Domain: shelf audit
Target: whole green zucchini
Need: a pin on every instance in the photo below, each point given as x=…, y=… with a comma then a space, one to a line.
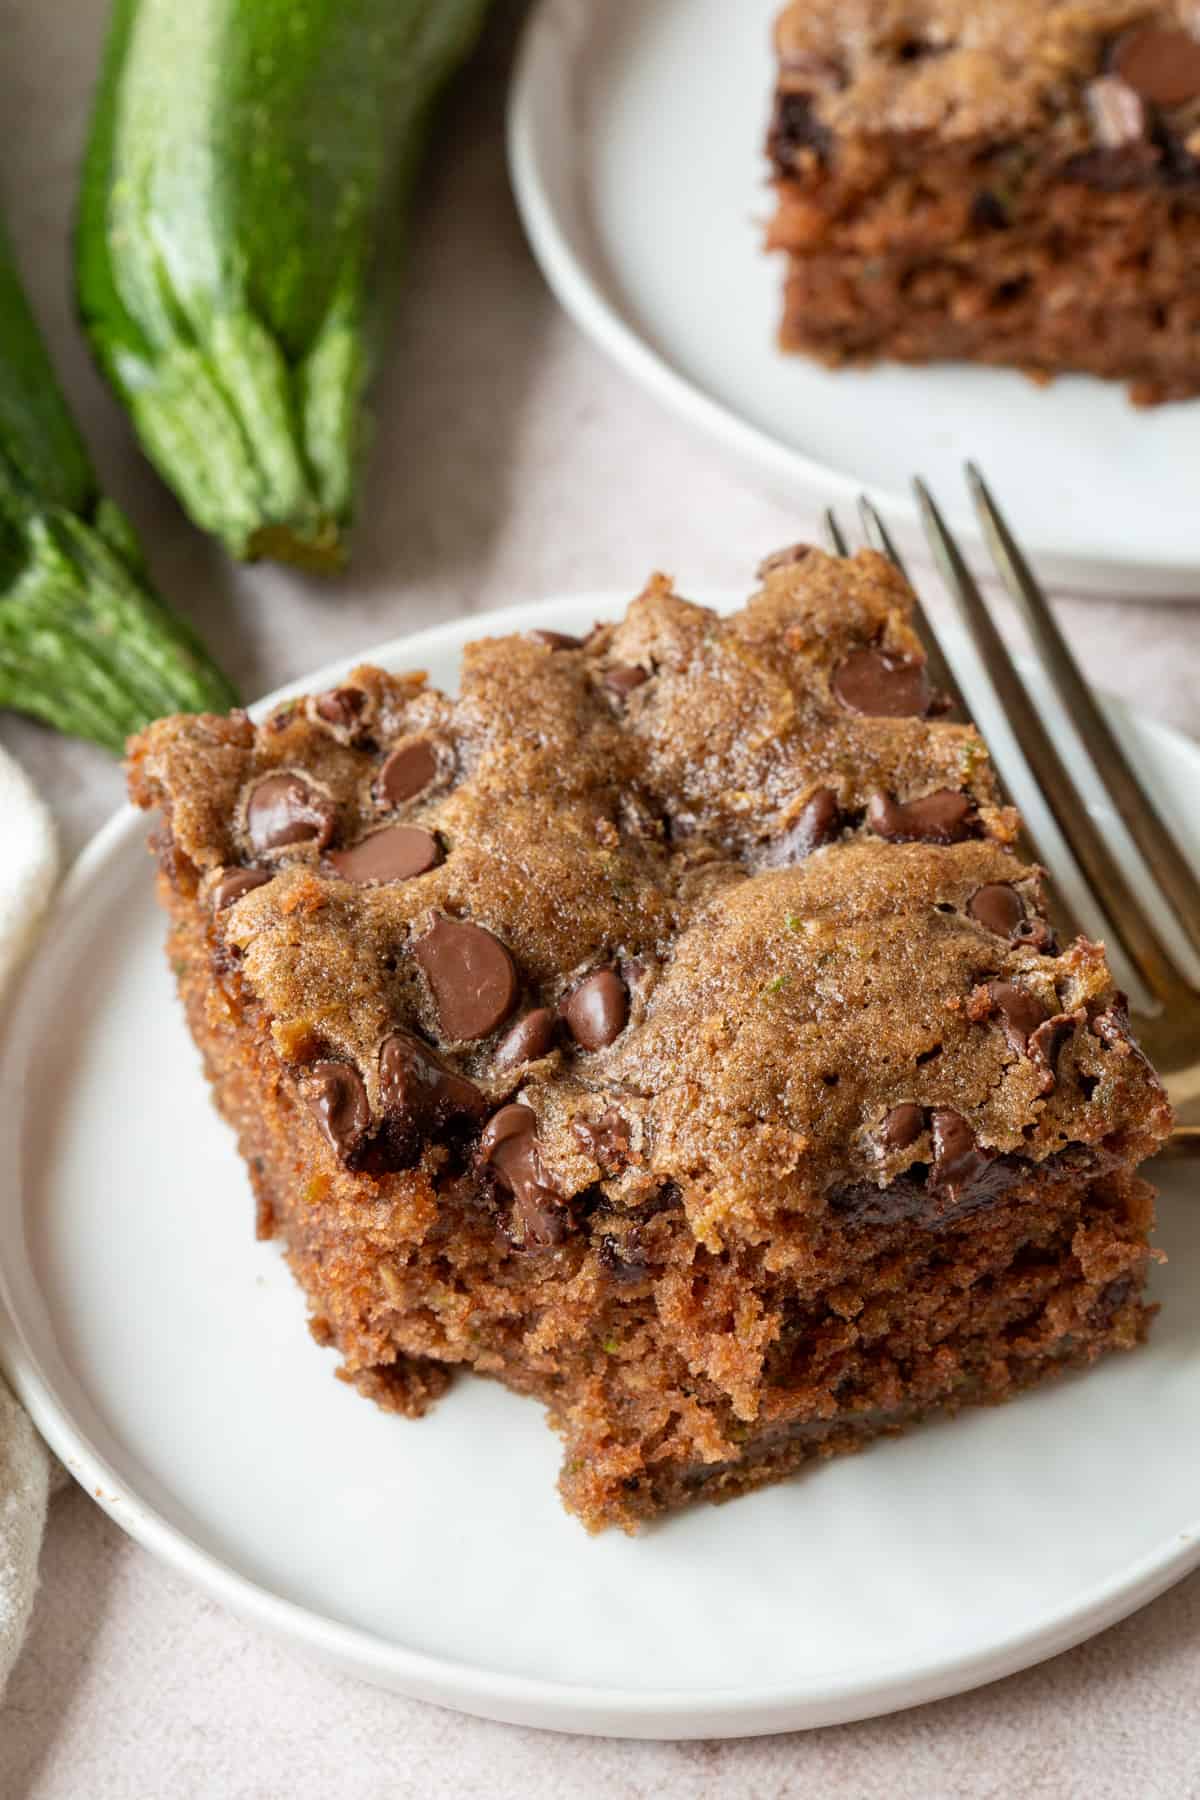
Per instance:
x=85, y=644
x=248, y=169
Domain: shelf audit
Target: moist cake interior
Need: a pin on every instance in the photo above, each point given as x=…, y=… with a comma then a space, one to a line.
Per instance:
x=668, y=1028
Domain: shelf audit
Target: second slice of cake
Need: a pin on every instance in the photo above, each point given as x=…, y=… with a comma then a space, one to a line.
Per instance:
x=1013, y=182
x=667, y=1028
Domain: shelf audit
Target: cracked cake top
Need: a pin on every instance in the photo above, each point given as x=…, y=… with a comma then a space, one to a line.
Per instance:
x=721, y=906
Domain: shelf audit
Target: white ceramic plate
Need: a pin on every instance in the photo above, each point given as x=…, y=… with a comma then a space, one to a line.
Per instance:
x=636, y=135
x=164, y=1355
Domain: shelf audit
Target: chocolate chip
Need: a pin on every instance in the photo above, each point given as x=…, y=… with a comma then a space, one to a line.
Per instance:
x=407, y=771
x=996, y=906
x=901, y=1127
x=1020, y=1011
x=795, y=128
x=943, y=817
x=597, y=1009
x=1117, y=114
x=1160, y=63
x=510, y=1147
x=234, y=883
x=914, y=49
x=881, y=685
x=283, y=809
x=421, y=1095
x=1112, y=1027
x=1046, y=1042
x=623, y=1258
x=471, y=974
x=786, y=558
x=341, y=707
x=819, y=823
x=530, y=1038
x=988, y=212
x=396, y=853
x=958, y=1161
x=554, y=640
x=335, y=1092
x=623, y=678
x=605, y=1139
x=1034, y=934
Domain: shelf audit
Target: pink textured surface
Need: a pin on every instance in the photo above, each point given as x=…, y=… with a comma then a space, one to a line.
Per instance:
x=537, y=469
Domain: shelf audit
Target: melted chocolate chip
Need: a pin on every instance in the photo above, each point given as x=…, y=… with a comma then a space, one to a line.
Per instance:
x=407, y=772
x=622, y=678
x=554, y=640
x=997, y=907
x=283, y=810
x=818, y=824
x=943, y=817
x=509, y=1146
x=471, y=974
x=911, y=1196
x=234, y=883
x=901, y=1127
x=597, y=1009
x=1020, y=1011
x=958, y=1162
x=1034, y=934
x=530, y=1038
x=1160, y=63
x=421, y=1095
x=395, y=853
x=335, y=1092
x=880, y=685
x=605, y=1139
x=786, y=558
x=341, y=707
x=1046, y=1042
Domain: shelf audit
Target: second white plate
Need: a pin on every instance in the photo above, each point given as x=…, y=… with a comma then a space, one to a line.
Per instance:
x=163, y=1354
x=636, y=136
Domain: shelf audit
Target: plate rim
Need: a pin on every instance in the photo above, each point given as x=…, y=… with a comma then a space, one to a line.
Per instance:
x=473, y=1688
x=539, y=58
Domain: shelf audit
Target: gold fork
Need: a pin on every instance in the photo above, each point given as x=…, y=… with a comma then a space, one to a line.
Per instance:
x=1170, y=1033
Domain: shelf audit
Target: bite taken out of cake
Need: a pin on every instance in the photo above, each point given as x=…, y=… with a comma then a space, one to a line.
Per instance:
x=666, y=1027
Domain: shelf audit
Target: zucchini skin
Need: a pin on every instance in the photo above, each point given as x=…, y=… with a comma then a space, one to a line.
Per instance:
x=85, y=643
x=248, y=169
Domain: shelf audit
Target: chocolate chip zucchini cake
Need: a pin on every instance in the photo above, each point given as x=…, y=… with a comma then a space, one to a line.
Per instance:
x=1014, y=182
x=668, y=1028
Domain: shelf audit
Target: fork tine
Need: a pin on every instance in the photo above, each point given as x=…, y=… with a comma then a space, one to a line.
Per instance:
x=1126, y=793
x=878, y=535
x=942, y=675
x=834, y=535
x=1116, y=897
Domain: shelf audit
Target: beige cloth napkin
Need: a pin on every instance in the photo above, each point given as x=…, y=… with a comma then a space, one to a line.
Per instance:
x=27, y=873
